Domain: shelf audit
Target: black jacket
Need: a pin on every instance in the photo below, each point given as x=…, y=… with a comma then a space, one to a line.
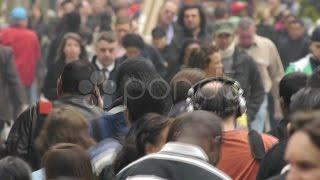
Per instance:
x=245, y=71
x=12, y=97
x=50, y=82
x=26, y=128
x=107, y=89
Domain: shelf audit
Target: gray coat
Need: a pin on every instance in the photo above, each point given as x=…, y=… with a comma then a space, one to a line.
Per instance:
x=12, y=95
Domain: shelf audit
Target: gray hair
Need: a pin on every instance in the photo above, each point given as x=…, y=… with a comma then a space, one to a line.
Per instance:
x=245, y=23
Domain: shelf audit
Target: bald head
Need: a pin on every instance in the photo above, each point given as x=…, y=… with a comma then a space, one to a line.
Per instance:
x=219, y=98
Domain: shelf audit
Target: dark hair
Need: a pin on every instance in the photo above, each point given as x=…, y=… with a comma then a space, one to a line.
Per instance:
x=63, y=3
x=71, y=22
x=306, y=99
x=218, y=97
x=198, y=124
x=148, y=129
x=188, y=7
x=309, y=123
x=14, y=168
x=297, y=21
x=314, y=79
x=68, y=160
x=142, y=88
x=185, y=45
x=76, y=78
x=64, y=125
x=195, y=127
x=108, y=36
x=133, y=40
x=183, y=81
x=74, y=36
x=158, y=32
x=290, y=84
x=200, y=58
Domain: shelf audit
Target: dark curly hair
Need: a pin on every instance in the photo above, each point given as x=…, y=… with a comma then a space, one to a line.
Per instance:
x=200, y=58
x=188, y=7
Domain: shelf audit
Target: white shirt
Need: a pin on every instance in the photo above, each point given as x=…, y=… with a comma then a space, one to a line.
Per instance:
x=109, y=68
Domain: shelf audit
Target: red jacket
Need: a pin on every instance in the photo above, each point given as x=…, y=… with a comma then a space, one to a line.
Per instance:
x=26, y=49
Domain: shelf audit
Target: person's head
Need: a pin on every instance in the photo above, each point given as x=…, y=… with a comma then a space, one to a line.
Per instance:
x=19, y=17
x=314, y=79
x=224, y=34
x=159, y=39
x=67, y=160
x=208, y=59
x=77, y=79
x=306, y=99
x=200, y=128
x=221, y=12
x=296, y=29
x=183, y=81
x=99, y=5
x=105, y=48
x=246, y=32
x=123, y=26
x=64, y=125
x=288, y=86
x=134, y=44
x=188, y=46
x=14, y=168
x=151, y=132
x=303, y=150
x=142, y=89
x=191, y=18
x=315, y=43
x=220, y=95
x=71, y=48
x=71, y=22
x=67, y=6
x=168, y=12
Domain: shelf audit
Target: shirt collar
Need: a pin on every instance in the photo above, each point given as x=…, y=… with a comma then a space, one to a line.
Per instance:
x=100, y=66
x=185, y=149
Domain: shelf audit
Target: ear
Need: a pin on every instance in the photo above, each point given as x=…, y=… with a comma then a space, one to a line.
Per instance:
x=59, y=87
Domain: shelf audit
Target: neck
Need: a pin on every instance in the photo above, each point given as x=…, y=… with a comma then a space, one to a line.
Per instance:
x=228, y=52
x=228, y=124
x=196, y=32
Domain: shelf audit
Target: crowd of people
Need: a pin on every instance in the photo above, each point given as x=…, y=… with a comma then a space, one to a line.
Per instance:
x=224, y=90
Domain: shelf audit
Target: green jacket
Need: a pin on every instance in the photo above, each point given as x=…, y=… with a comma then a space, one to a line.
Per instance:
x=302, y=65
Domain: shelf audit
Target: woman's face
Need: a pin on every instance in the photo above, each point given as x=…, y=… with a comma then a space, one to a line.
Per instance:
x=188, y=51
x=71, y=50
x=304, y=158
x=215, y=66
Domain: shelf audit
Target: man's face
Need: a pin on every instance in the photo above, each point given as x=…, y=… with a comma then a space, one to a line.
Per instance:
x=168, y=12
x=106, y=52
x=304, y=158
x=223, y=40
x=159, y=43
x=296, y=31
x=315, y=49
x=67, y=8
x=132, y=52
x=246, y=37
x=122, y=30
x=191, y=19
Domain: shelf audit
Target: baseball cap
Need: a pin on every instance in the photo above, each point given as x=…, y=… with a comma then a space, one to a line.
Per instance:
x=224, y=26
x=19, y=13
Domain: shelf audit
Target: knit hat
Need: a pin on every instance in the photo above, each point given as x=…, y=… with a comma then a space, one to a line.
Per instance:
x=19, y=13
x=316, y=34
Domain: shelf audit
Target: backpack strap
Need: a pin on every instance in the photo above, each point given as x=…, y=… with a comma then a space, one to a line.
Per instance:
x=256, y=145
